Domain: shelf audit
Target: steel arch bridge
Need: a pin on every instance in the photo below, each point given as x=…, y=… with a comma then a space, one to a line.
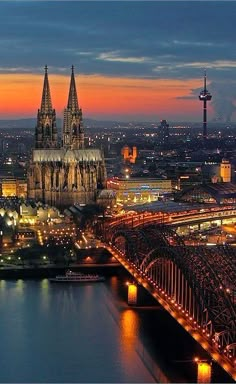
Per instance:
x=197, y=285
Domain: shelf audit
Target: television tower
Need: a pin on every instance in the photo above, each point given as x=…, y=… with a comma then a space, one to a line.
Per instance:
x=205, y=96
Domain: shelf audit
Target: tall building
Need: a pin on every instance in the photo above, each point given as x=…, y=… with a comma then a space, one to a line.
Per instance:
x=205, y=96
x=225, y=171
x=67, y=173
x=125, y=152
x=163, y=133
x=129, y=155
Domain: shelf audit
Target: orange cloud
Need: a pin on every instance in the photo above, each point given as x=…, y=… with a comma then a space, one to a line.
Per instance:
x=20, y=95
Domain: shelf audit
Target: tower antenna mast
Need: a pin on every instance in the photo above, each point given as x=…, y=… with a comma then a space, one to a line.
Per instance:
x=205, y=96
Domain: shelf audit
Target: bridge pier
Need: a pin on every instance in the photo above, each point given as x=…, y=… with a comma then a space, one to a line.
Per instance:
x=132, y=294
x=203, y=371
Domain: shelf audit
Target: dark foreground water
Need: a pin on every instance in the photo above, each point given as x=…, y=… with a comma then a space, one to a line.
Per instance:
x=87, y=333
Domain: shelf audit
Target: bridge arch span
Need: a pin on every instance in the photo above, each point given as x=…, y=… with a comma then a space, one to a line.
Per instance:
x=197, y=282
x=129, y=241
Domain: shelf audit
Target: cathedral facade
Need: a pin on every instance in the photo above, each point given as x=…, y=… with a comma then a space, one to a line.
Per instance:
x=63, y=173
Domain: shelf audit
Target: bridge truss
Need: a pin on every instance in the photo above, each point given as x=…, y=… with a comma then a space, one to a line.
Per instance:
x=197, y=283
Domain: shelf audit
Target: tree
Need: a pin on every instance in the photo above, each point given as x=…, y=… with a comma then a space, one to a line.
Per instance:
x=89, y=215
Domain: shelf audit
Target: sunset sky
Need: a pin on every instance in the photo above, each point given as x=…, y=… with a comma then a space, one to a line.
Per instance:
x=133, y=60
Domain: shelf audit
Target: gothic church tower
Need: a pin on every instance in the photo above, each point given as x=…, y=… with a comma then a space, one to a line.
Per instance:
x=64, y=175
x=46, y=131
x=73, y=132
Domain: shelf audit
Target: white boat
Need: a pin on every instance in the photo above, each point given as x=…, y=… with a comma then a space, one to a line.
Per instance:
x=74, y=277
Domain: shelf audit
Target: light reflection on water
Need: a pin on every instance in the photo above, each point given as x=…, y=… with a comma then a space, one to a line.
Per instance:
x=129, y=325
x=45, y=294
x=19, y=286
x=2, y=285
x=128, y=331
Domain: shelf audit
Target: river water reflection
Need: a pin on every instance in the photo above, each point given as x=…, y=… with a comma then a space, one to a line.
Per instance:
x=81, y=333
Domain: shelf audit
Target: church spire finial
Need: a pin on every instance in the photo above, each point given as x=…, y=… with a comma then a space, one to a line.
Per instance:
x=72, y=99
x=46, y=130
x=73, y=131
x=46, y=104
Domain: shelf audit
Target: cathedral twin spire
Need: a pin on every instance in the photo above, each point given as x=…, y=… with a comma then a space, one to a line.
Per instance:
x=72, y=99
x=46, y=103
x=73, y=133
x=46, y=131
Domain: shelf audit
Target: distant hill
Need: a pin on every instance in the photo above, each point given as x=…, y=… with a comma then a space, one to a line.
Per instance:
x=30, y=123
x=18, y=123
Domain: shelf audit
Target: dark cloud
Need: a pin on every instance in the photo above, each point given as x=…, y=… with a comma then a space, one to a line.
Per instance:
x=143, y=39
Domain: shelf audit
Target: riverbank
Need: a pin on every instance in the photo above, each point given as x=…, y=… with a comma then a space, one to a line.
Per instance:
x=38, y=272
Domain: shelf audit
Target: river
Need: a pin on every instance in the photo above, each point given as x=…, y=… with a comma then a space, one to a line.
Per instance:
x=87, y=333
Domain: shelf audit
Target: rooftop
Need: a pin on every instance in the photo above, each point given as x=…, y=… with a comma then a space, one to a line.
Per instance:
x=168, y=207
x=217, y=191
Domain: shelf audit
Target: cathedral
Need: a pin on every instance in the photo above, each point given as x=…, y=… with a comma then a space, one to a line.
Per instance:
x=62, y=173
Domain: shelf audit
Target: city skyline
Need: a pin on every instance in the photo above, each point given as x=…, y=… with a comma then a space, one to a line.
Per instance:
x=133, y=60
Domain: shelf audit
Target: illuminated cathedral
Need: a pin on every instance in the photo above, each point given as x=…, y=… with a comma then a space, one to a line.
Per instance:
x=63, y=173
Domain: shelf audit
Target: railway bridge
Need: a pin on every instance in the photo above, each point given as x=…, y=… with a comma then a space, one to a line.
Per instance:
x=196, y=285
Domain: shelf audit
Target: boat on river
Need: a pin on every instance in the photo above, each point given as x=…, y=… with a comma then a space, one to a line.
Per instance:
x=77, y=277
